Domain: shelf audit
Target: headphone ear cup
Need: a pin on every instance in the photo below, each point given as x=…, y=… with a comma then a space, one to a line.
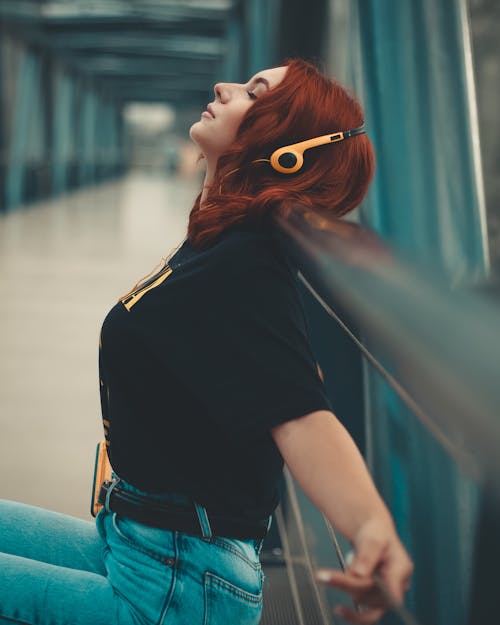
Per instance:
x=286, y=160
x=289, y=159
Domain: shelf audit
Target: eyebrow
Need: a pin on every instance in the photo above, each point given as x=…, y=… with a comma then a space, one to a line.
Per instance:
x=260, y=79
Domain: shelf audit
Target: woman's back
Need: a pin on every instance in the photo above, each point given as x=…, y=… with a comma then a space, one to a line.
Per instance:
x=195, y=374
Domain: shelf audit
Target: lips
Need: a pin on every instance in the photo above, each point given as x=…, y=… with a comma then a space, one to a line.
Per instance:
x=210, y=110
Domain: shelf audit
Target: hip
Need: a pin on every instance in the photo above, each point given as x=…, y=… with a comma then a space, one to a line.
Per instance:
x=173, y=577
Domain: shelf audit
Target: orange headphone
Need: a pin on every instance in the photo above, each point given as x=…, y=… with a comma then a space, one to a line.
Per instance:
x=289, y=159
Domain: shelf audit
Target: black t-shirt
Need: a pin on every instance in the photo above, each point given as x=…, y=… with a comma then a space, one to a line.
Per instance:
x=200, y=368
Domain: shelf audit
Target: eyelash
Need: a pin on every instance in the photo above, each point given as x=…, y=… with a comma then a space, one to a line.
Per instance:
x=251, y=95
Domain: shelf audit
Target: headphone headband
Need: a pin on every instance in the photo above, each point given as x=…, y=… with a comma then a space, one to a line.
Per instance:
x=289, y=159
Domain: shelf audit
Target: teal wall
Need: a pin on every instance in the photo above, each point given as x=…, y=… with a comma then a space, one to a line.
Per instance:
x=410, y=65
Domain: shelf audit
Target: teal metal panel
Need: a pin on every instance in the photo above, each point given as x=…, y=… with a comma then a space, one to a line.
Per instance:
x=433, y=503
x=233, y=66
x=63, y=130
x=3, y=120
x=101, y=135
x=414, y=73
x=87, y=136
x=410, y=65
x=261, y=22
x=106, y=140
x=24, y=114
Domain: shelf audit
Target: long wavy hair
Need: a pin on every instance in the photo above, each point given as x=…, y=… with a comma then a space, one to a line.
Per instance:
x=334, y=177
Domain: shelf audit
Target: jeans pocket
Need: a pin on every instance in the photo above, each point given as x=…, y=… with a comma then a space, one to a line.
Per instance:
x=227, y=603
x=244, y=549
x=153, y=542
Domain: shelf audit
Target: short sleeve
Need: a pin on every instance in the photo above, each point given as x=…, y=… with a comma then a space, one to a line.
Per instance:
x=253, y=366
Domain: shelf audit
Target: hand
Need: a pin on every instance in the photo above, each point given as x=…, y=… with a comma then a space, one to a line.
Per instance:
x=378, y=553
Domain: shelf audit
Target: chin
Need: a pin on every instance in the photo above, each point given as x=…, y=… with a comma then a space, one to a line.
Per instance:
x=192, y=130
x=196, y=134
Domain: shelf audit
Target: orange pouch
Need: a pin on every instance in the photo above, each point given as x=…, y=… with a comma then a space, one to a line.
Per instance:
x=102, y=473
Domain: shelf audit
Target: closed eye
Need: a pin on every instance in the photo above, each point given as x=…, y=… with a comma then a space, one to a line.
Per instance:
x=251, y=95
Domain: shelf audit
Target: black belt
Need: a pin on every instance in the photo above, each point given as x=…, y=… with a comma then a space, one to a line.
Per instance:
x=175, y=517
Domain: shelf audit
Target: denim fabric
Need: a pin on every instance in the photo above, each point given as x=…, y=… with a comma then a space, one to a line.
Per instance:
x=60, y=570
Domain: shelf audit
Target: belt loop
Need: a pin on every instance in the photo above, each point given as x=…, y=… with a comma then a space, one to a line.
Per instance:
x=259, y=543
x=108, y=494
x=269, y=522
x=206, y=530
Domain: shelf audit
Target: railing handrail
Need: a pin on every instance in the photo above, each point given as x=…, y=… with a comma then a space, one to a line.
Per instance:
x=444, y=342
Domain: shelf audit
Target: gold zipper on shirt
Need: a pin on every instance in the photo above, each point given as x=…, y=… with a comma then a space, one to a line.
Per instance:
x=144, y=285
x=134, y=296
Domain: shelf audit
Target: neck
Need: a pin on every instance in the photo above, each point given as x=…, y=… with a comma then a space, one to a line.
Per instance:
x=207, y=183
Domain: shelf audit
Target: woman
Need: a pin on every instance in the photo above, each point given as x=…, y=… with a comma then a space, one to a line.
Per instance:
x=208, y=383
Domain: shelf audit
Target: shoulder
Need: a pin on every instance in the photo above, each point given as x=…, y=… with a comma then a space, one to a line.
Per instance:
x=257, y=280
x=255, y=251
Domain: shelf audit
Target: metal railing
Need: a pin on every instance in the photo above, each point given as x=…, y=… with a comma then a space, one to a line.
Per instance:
x=443, y=343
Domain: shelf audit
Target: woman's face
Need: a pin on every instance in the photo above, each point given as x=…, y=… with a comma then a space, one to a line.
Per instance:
x=216, y=130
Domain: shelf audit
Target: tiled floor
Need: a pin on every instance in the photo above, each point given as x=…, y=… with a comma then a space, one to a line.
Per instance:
x=63, y=264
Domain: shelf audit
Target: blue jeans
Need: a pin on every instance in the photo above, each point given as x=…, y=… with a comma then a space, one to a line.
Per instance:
x=59, y=570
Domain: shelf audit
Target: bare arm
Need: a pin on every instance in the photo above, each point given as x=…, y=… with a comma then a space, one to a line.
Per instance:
x=329, y=468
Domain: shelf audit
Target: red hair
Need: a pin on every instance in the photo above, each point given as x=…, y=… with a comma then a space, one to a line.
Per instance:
x=334, y=177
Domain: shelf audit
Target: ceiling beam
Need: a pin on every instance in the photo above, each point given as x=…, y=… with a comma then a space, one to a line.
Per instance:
x=194, y=26
x=182, y=82
x=140, y=50
x=169, y=97
x=170, y=10
x=91, y=11
x=175, y=66
x=192, y=46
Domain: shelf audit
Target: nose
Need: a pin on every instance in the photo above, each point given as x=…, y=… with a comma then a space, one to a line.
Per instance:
x=220, y=91
x=225, y=91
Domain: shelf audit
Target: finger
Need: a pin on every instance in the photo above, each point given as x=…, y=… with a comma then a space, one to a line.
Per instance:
x=372, y=597
x=364, y=617
x=373, y=591
x=367, y=556
x=362, y=590
x=350, y=583
x=396, y=579
x=346, y=581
